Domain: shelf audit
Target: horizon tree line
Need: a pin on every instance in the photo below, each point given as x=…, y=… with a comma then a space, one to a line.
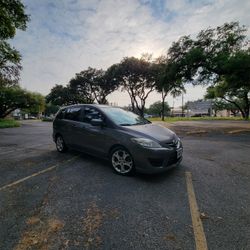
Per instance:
x=218, y=58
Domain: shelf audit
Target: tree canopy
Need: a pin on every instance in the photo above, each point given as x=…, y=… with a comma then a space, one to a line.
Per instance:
x=16, y=97
x=156, y=108
x=138, y=78
x=38, y=104
x=168, y=81
x=60, y=95
x=218, y=57
x=93, y=85
x=12, y=17
x=88, y=86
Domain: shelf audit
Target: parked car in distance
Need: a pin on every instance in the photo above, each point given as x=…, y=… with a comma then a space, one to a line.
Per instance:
x=130, y=142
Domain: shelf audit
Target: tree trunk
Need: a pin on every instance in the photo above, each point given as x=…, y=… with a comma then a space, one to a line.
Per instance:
x=163, y=96
x=162, y=109
x=141, y=111
x=5, y=113
x=247, y=105
x=244, y=113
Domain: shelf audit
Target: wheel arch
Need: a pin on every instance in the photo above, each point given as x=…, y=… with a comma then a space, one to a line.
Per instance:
x=116, y=146
x=57, y=134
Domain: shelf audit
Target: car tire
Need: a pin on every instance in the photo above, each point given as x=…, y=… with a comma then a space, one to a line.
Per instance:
x=60, y=144
x=122, y=161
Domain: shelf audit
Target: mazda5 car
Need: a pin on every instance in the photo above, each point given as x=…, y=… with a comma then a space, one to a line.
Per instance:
x=130, y=142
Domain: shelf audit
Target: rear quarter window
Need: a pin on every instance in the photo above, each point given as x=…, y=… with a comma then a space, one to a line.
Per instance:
x=73, y=114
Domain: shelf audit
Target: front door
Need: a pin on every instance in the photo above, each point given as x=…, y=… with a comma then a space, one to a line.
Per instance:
x=94, y=139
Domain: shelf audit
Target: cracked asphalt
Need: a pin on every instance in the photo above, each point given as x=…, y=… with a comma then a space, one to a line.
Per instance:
x=82, y=204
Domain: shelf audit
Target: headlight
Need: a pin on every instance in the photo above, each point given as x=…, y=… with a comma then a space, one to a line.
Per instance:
x=178, y=143
x=146, y=143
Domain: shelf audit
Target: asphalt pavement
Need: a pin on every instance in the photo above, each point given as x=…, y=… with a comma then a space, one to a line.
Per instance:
x=50, y=200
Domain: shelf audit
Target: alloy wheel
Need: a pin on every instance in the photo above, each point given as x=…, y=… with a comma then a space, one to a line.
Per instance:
x=122, y=161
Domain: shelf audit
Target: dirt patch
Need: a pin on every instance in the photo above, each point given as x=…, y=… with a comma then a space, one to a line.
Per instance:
x=33, y=220
x=39, y=233
x=91, y=224
x=200, y=128
x=170, y=237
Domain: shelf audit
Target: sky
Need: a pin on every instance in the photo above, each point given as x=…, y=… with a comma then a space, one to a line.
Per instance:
x=65, y=37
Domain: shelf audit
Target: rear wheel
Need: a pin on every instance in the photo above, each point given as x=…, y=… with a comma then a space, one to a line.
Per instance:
x=122, y=161
x=60, y=144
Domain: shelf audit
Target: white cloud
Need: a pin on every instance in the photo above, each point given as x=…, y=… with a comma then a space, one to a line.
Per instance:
x=65, y=37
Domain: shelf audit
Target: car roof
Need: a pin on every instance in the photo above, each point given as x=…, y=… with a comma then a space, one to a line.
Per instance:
x=91, y=105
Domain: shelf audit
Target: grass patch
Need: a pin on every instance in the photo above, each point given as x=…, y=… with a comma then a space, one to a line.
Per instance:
x=9, y=123
x=206, y=118
x=47, y=119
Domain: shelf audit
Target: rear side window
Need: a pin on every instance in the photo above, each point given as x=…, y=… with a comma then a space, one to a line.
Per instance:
x=91, y=113
x=73, y=114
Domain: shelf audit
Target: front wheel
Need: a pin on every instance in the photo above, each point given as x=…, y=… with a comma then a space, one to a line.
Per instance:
x=60, y=144
x=122, y=161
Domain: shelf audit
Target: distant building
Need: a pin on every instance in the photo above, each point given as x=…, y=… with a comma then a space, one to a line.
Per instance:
x=199, y=108
x=223, y=113
x=178, y=112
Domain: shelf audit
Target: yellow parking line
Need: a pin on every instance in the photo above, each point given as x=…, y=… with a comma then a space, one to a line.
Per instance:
x=200, y=238
x=36, y=174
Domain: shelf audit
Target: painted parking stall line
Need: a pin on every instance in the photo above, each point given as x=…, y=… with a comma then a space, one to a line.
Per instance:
x=38, y=173
x=200, y=238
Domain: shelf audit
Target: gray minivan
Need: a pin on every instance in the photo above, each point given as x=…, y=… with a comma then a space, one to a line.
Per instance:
x=130, y=142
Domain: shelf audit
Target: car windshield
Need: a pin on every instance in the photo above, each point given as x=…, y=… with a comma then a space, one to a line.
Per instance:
x=123, y=117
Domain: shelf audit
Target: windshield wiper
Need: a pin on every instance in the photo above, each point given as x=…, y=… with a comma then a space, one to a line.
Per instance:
x=125, y=124
x=140, y=123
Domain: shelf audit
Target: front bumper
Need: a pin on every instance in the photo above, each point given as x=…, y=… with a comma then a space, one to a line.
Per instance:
x=156, y=160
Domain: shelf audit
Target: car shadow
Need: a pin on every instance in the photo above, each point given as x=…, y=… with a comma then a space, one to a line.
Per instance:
x=150, y=178
x=159, y=177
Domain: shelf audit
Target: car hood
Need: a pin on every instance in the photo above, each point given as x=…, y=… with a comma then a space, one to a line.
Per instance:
x=152, y=131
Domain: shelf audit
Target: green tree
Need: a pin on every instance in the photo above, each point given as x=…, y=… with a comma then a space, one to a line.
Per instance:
x=15, y=97
x=219, y=105
x=93, y=85
x=138, y=78
x=156, y=108
x=60, y=96
x=236, y=96
x=50, y=109
x=215, y=58
x=12, y=17
x=38, y=106
x=168, y=80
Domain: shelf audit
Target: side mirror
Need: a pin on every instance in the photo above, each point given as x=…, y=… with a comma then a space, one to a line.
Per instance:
x=96, y=122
